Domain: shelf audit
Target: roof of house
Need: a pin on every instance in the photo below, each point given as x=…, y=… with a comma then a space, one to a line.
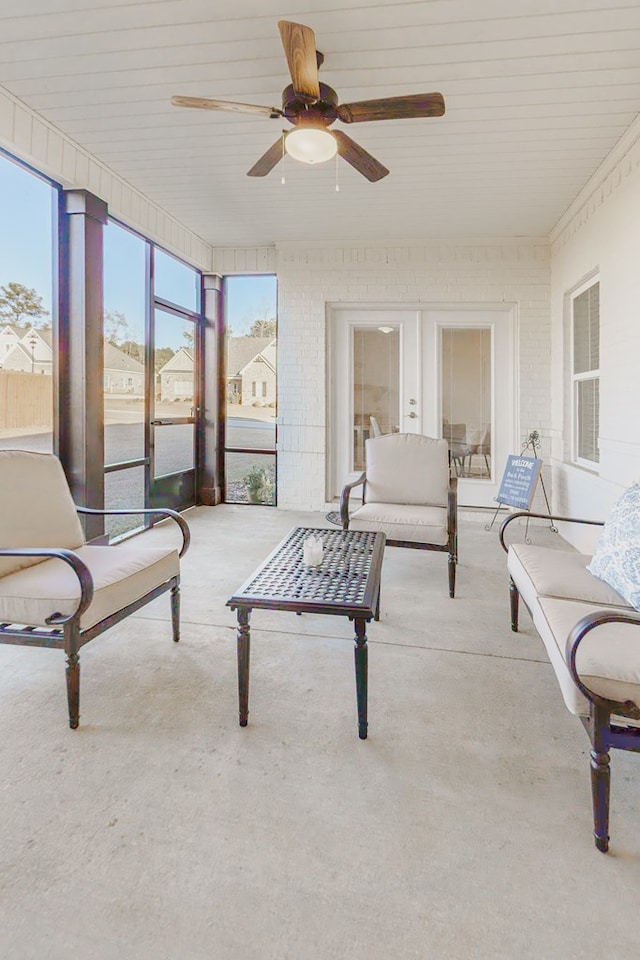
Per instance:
x=116, y=359
x=44, y=333
x=242, y=350
x=181, y=360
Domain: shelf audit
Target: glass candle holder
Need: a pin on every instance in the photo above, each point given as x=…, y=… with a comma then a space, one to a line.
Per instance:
x=312, y=551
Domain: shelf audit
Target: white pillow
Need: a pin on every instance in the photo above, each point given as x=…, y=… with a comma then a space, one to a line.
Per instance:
x=616, y=559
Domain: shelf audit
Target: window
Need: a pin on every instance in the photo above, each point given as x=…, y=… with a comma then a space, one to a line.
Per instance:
x=249, y=465
x=27, y=308
x=585, y=330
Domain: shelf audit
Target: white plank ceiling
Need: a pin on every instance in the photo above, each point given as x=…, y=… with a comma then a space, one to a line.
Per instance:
x=537, y=94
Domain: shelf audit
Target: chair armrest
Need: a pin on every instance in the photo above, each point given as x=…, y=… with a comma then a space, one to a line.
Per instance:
x=584, y=626
x=159, y=512
x=344, y=499
x=541, y=516
x=78, y=566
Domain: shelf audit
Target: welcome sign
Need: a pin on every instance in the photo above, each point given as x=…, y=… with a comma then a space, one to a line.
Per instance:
x=519, y=481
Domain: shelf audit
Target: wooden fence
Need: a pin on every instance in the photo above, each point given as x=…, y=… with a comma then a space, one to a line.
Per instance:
x=26, y=400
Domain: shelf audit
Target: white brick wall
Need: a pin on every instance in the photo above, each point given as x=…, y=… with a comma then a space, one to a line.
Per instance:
x=600, y=233
x=310, y=276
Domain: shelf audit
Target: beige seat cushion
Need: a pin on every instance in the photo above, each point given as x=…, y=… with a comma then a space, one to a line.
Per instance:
x=403, y=522
x=407, y=468
x=38, y=510
x=608, y=659
x=539, y=571
x=120, y=574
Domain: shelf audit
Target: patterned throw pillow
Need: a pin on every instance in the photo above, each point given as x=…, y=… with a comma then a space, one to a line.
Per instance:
x=616, y=559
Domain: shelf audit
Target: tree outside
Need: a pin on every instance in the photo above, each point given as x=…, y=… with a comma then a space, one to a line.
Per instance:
x=262, y=328
x=21, y=305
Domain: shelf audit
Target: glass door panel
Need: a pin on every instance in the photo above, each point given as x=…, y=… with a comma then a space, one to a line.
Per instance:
x=124, y=374
x=376, y=385
x=174, y=448
x=27, y=362
x=251, y=373
x=174, y=393
x=466, y=377
x=124, y=490
x=468, y=393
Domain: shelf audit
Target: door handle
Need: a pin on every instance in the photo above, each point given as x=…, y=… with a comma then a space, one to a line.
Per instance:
x=412, y=415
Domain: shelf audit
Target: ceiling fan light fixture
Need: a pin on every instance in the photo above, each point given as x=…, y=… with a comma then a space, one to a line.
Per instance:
x=311, y=144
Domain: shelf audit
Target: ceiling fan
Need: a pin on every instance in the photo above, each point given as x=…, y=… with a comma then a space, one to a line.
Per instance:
x=312, y=107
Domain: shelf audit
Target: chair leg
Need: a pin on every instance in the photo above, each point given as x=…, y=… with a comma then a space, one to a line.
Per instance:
x=452, y=575
x=514, y=598
x=175, y=612
x=71, y=647
x=73, y=689
x=600, y=777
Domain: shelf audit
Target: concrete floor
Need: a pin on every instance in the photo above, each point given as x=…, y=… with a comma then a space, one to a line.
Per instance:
x=461, y=829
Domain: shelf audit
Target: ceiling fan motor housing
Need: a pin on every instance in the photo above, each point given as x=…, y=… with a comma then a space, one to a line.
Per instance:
x=299, y=111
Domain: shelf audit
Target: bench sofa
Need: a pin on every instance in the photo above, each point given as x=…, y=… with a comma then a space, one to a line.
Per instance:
x=591, y=634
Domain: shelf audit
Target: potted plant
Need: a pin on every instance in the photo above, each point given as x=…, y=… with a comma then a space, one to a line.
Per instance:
x=259, y=486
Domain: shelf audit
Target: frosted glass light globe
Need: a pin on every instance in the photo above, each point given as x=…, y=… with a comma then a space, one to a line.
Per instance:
x=310, y=145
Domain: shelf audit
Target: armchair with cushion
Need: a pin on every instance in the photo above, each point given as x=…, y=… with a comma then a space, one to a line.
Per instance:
x=408, y=494
x=58, y=591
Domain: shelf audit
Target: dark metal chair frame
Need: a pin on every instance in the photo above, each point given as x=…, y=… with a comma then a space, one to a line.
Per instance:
x=450, y=547
x=603, y=734
x=64, y=632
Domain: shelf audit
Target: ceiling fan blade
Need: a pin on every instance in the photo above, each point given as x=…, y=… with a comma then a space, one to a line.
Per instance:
x=393, y=108
x=203, y=103
x=268, y=160
x=358, y=157
x=299, y=44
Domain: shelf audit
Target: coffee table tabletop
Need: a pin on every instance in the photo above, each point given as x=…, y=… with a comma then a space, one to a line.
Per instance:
x=347, y=584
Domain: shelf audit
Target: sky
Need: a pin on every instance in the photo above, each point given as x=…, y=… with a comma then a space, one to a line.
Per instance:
x=26, y=219
x=25, y=229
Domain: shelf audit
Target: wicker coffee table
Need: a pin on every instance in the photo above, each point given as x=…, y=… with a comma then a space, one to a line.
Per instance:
x=347, y=584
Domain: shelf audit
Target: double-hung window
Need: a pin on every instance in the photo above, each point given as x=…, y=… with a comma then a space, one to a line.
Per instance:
x=585, y=360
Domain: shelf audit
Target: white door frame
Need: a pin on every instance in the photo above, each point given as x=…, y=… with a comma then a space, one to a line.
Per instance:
x=341, y=320
x=501, y=319
x=500, y=315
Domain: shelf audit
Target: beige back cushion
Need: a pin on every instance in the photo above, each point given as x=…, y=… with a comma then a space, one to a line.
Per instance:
x=407, y=468
x=36, y=509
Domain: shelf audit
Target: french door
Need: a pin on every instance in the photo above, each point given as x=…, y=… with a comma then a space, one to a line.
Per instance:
x=442, y=372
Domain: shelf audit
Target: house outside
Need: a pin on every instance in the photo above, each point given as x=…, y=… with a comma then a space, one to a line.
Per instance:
x=175, y=378
x=28, y=351
x=122, y=374
x=251, y=371
x=10, y=335
x=32, y=352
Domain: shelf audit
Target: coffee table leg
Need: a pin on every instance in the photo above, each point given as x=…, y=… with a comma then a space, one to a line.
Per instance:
x=361, y=656
x=244, y=645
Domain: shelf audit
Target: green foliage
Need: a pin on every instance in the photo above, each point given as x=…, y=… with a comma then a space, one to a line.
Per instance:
x=133, y=349
x=259, y=485
x=163, y=355
x=262, y=328
x=19, y=304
